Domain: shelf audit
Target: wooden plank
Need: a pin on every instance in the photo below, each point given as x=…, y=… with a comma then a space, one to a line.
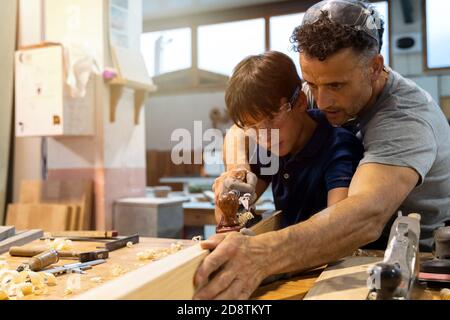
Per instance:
x=344, y=280
x=20, y=239
x=70, y=192
x=270, y=224
x=166, y=279
x=6, y=232
x=75, y=212
x=49, y=217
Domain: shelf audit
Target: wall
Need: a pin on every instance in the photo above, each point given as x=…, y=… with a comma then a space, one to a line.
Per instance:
x=27, y=151
x=8, y=16
x=115, y=157
x=178, y=111
x=411, y=65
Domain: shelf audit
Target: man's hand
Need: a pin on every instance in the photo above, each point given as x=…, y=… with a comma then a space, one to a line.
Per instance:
x=233, y=270
x=228, y=181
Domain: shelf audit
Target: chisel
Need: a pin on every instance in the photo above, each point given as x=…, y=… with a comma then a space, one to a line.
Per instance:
x=81, y=256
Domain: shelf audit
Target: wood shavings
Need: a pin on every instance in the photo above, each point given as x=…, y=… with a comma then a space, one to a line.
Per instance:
x=50, y=279
x=73, y=283
x=3, y=295
x=2, y=258
x=129, y=244
x=244, y=217
x=197, y=238
x=59, y=244
x=155, y=254
x=16, y=285
x=97, y=279
x=68, y=291
x=445, y=294
x=3, y=265
x=117, y=270
x=26, y=288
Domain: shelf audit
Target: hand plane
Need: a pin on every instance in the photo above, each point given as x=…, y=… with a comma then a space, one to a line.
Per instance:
x=234, y=208
x=395, y=277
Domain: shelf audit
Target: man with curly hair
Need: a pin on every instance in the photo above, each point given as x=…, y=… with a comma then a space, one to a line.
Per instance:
x=405, y=167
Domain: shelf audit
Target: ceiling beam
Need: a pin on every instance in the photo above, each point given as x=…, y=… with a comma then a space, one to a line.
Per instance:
x=220, y=16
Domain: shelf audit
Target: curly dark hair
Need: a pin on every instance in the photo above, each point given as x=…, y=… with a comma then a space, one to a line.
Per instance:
x=325, y=37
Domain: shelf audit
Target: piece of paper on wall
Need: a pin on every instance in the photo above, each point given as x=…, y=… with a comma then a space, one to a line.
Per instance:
x=119, y=27
x=80, y=64
x=39, y=80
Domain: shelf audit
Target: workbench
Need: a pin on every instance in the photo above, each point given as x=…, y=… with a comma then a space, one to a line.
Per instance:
x=294, y=288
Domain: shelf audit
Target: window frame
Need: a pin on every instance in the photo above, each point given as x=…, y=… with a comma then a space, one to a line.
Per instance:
x=265, y=11
x=426, y=68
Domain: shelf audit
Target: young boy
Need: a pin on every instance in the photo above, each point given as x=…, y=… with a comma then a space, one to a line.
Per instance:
x=316, y=160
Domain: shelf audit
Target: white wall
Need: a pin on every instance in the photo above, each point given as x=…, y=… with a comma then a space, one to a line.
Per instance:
x=27, y=151
x=7, y=46
x=164, y=114
x=411, y=65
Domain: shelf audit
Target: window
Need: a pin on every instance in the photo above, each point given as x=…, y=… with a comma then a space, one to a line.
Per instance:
x=382, y=8
x=281, y=28
x=437, y=34
x=222, y=46
x=167, y=51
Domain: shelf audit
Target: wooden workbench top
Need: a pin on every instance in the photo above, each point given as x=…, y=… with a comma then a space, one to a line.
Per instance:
x=294, y=288
x=125, y=258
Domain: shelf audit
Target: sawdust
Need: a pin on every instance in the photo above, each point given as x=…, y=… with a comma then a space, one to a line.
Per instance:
x=97, y=279
x=117, y=270
x=156, y=254
x=244, y=217
x=15, y=285
x=59, y=244
x=445, y=294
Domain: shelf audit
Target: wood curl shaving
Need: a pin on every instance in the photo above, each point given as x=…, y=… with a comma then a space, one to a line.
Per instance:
x=156, y=254
x=16, y=285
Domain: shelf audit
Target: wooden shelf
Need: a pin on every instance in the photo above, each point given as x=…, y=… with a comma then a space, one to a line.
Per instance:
x=131, y=74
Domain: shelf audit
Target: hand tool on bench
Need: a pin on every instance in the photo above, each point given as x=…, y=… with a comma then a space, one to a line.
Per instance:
x=395, y=277
x=85, y=234
x=40, y=261
x=120, y=242
x=111, y=244
x=37, y=251
x=74, y=267
x=436, y=272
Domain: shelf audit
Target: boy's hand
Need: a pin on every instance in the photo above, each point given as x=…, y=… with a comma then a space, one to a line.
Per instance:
x=234, y=180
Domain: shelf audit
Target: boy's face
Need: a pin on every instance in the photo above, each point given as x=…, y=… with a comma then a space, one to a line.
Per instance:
x=342, y=84
x=281, y=133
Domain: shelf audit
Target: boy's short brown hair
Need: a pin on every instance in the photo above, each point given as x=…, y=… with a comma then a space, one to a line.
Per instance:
x=258, y=84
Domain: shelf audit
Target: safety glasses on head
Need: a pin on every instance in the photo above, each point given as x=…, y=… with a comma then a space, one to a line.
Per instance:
x=352, y=13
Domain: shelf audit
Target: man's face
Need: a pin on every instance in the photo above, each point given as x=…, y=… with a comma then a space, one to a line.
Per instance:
x=341, y=84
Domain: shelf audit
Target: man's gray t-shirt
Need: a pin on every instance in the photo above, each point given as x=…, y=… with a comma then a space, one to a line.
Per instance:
x=405, y=127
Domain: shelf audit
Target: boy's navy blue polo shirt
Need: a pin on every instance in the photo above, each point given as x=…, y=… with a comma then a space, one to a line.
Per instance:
x=328, y=161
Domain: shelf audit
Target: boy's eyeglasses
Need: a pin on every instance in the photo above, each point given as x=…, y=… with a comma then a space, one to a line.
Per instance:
x=277, y=120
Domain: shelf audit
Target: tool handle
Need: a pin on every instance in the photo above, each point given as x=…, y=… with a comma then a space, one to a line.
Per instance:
x=26, y=252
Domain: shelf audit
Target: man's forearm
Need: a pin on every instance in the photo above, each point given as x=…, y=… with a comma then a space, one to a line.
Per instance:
x=327, y=236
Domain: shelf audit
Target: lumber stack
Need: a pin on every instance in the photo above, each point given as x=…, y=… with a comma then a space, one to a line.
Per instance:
x=52, y=206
